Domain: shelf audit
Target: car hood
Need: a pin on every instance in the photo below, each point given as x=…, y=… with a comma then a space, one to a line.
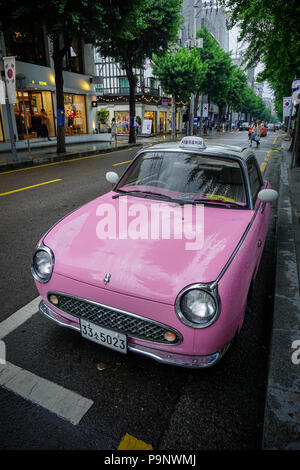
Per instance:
x=157, y=268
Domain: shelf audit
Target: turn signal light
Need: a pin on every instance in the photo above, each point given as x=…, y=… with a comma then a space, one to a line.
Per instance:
x=53, y=299
x=170, y=336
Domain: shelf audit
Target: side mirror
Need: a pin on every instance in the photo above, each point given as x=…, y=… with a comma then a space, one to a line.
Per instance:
x=267, y=195
x=112, y=177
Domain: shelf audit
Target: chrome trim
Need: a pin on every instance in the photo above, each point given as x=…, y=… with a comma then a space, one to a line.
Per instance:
x=215, y=283
x=209, y=289
x=134, y=315
x=164, y=357
x=42, y=247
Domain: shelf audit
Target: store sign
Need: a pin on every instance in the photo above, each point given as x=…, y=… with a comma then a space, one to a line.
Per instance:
x=205, y=110
x=165, y=101
x=10, y=78
x=61, y=117
x=41, y=83
x=147, y=126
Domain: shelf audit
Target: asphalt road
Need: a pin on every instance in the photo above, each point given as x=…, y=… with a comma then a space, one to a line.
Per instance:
x=170, y=408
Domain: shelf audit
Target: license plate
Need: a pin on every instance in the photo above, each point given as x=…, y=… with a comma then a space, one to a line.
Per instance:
x=109, y=338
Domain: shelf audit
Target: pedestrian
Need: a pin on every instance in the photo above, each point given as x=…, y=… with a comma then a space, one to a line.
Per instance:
x=113, y=129
x=136, y=126
x=44, y=124
x=252, y=130
x=258, y=133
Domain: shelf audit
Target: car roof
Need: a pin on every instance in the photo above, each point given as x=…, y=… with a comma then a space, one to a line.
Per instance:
x=242, y=153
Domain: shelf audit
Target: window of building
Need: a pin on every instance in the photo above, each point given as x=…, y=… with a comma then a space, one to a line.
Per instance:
x=73, y=59
x=34, y=102
x=124, y=85
x=75, y=114
x=26, y=47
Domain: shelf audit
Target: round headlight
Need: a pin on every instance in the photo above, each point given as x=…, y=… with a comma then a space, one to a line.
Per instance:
x=197, y=308
x=42, y=264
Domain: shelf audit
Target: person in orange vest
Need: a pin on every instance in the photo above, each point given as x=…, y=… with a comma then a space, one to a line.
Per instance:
x=250, y=134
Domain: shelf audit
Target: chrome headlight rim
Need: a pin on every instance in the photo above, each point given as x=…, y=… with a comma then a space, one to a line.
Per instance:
x=42, y=247
x=212, y=290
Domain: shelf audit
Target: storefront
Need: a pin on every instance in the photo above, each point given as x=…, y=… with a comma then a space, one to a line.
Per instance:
x=75, y=114
x=34, y=101
x=162, y=121
x=151, y=115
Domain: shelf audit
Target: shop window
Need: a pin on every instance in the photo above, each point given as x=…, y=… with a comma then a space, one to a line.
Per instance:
x=151, y=115
x=75, y=114
x=26, y=47
x=122, y=120
x=34, y=102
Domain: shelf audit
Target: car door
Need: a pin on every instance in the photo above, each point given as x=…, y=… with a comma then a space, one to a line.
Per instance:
x=262, y=211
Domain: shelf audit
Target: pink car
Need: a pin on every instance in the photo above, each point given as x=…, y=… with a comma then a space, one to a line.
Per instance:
x=161, y=265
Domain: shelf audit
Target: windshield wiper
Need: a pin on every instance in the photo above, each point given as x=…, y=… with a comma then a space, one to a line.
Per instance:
x=124, y=193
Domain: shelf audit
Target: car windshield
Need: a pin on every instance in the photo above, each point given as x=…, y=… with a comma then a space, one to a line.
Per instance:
x=185, y=177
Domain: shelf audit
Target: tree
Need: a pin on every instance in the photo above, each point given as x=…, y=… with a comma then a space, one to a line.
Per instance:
x=272, y=31
x=65, y=20
x=180, y=74
x=216, y=83
x=150, y=29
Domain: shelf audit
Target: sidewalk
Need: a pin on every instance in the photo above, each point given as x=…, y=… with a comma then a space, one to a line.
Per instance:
x=48, y=153
x=282, y=409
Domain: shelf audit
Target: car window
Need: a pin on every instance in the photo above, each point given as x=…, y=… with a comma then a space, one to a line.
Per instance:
x=255, y=180
x=186, y=175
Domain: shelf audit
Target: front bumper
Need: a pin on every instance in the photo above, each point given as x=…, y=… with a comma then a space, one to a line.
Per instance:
x=158, y=355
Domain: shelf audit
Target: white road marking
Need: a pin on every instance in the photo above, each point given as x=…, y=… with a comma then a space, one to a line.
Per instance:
x=59, y=400
x=19, y=317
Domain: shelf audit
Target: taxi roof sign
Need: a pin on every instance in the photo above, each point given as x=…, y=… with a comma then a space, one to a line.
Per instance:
x=192, y=142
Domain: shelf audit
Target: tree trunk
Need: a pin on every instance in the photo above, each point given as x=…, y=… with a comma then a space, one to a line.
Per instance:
x=173, y=111
x=131, y=80
x=58, y=55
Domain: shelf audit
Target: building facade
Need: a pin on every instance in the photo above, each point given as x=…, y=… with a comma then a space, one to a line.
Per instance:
x=151, y=103
x=35, y=90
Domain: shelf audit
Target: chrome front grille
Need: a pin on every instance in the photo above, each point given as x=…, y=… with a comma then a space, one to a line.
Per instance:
x=127, y=323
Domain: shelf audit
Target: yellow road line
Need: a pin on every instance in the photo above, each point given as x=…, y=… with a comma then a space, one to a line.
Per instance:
x=131, y=443
x=63, y=161
x=122, y=163
x=29, y=187
x=275, y=140
x=263, y=167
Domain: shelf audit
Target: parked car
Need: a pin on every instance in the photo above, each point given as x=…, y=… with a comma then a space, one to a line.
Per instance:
x=271, y=126
x=244, y=126
x=122, y=274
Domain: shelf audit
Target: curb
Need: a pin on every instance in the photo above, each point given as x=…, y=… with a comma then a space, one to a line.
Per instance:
x=282, y=409
x=50, y=158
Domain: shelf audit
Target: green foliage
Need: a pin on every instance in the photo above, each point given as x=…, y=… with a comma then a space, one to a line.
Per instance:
x=180, y=73
x=150, y=28
x=272, y=31
x=103, y=115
